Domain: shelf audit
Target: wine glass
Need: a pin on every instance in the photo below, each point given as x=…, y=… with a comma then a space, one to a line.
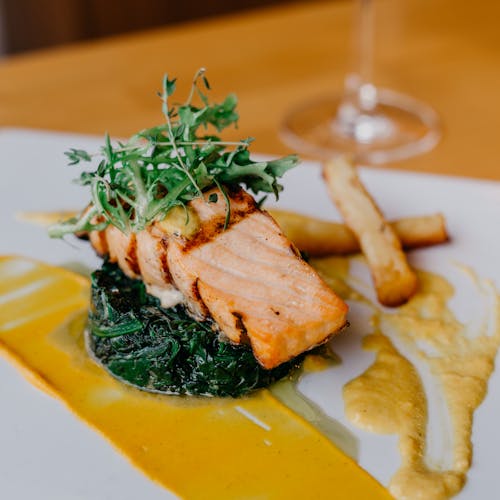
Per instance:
x=373, y=125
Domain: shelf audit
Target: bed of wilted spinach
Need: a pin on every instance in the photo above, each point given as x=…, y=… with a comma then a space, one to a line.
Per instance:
x=165, y=350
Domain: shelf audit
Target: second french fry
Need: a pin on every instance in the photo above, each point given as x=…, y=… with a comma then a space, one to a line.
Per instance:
x=319, y=238
x=395, y=282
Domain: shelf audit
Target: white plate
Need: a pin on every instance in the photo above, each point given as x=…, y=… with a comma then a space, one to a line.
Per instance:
x=47, y=453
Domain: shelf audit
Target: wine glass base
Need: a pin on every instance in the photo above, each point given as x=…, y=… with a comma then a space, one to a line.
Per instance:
x=399, y=127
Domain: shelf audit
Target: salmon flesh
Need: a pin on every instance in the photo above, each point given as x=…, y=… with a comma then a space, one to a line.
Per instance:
x=248, y=277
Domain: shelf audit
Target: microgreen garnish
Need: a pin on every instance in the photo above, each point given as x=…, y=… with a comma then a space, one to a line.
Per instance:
x=139, y=181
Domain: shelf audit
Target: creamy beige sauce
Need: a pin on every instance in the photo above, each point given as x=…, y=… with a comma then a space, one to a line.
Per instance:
x=389, y=398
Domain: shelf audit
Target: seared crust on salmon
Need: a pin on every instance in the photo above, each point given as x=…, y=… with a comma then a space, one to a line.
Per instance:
x=248, y=277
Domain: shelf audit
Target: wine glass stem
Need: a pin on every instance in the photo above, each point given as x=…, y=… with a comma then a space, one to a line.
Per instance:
x=360, y=90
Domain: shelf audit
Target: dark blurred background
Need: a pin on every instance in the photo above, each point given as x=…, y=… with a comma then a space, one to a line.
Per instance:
x=32, y=24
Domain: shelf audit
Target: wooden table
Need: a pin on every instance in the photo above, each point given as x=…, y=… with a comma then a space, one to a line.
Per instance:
x=446, y=52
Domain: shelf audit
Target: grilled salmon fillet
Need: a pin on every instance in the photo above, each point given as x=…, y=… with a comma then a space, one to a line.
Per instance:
x=248, y=277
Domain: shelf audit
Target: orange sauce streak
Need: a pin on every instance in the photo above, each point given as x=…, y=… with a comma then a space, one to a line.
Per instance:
x=253, y=447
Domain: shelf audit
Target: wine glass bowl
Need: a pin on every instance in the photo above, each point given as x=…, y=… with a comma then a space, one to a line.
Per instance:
x=396, y=127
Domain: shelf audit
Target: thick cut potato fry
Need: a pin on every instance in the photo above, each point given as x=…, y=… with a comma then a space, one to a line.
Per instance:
x=395, y=282
x=320, y=238
x=424, y=231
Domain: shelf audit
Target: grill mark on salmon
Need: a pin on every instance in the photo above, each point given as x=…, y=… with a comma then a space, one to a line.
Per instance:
x=163, y=245
x=131, y=257
x=211, y=230
x=203, y=311
x=240, y=325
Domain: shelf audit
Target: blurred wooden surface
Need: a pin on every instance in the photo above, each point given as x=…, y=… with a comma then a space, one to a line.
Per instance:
x=445, y=52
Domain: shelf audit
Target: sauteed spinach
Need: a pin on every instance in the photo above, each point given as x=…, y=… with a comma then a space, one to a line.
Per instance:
x=165, y=350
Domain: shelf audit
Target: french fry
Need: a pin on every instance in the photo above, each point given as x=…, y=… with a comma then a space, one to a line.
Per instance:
x=424, y=231
x=320, y=238
x=394, y=280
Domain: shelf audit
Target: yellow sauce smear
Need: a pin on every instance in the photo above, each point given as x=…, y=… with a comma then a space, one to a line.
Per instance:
x=253, y=447
x=388, y=398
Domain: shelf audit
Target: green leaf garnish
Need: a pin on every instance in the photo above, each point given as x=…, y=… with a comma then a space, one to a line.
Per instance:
x=139, y=181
